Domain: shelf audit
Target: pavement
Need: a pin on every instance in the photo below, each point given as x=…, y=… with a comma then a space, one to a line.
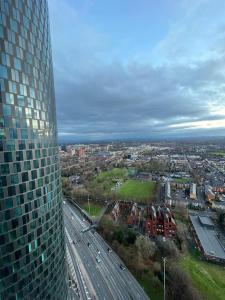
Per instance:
x=102, y=280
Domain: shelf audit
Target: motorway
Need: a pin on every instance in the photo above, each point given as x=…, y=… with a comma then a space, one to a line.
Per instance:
x=102, y=280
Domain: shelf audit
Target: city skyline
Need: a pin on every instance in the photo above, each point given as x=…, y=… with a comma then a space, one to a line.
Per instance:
x=144, y=70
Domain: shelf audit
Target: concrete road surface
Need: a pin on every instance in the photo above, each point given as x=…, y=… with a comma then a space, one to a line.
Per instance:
x=97, y=269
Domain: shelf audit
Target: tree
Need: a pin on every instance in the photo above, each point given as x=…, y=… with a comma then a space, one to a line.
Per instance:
x=106, y=227
x=119, y=235
x=181, y=234
x=167, y=248
x=131, y=236
x=146, y=247
x=221, y=219
x=180, y=285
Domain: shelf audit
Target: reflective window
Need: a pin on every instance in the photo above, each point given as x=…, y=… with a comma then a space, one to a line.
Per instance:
x=3, y=72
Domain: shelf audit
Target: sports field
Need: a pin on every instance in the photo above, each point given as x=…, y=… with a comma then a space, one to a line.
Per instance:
x=208, y=278
x=136, y=190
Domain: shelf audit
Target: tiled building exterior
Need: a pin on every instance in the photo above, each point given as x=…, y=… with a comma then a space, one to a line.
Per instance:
x=31, y=226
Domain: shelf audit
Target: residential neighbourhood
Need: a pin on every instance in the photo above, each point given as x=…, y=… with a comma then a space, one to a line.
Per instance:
x=166, y=192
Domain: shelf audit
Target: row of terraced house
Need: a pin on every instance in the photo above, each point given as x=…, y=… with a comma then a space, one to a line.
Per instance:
x=153, y=220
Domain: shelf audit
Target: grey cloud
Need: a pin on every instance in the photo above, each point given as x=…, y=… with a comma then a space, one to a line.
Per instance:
x=131, y=99
x=100, y=99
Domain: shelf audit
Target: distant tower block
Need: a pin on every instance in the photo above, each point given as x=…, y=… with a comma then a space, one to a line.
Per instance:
x=193, y=189
x=168, y=190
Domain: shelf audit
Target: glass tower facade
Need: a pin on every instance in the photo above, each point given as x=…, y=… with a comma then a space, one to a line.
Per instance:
x=31, y=225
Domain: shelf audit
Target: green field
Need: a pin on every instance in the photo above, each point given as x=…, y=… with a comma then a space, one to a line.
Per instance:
x=103, y=182
x=219, y=153
x=112, y=174
x=154, y=292
x=136, y=190
x=95, y=209
x=182, y=180
x=208, y=278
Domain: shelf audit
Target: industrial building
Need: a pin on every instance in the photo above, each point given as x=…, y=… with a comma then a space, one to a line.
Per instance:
x=207, y=238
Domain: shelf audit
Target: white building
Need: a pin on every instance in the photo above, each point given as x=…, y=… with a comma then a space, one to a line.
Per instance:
x=168, y=190
x=193, y=189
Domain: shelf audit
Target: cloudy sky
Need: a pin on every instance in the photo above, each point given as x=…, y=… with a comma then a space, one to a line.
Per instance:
x=138, y=68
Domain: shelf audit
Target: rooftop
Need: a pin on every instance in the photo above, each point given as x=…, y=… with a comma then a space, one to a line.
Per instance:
x=208, y=237
x=205, y=221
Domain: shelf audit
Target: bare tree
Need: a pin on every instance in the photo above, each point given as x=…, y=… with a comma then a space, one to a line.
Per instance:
x=146, y=247
x=180, y=285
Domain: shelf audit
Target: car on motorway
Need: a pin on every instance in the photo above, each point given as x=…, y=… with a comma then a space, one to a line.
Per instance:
x=98, y=259
x=89, y=244
x=122, y=267
x=109, y=250
x=73, y=242
x=98, y=251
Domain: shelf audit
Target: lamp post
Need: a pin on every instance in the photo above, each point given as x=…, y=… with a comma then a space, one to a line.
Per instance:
x=164, y=278
x=89, y=205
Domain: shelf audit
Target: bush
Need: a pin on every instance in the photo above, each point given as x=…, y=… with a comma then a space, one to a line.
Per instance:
x=179, y=285
x=156, y=267
x=125, y=236
x=146, y=247
x=167, y=248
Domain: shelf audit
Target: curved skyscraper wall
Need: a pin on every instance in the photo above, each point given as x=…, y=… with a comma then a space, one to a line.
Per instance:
x=31, y=226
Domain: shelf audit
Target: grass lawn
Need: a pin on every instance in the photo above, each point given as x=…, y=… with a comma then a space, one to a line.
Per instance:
x=154, y=293
x=95, y=209
x=103, y=182
x=114, y=173
x=182, y=180
x=136, y=190
x=208, y=278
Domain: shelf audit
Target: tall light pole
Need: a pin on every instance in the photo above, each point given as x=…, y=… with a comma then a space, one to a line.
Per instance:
x=164, y=278
x=89, y=205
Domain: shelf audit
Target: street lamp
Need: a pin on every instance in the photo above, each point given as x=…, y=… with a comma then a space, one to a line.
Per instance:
x=164, y=278
x=89, y=205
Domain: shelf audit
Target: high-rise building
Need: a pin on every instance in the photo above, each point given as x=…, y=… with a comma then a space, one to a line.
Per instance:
x=31, y=225
x=193, y=191
x=80, y=152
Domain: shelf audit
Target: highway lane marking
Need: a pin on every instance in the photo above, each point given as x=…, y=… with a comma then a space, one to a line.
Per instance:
x=99, y=242
x=82, y=279
x=112, y=282
x=103, y=287
x=111, y=279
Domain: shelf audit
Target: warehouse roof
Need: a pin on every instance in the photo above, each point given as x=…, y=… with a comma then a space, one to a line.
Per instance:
x=205, y=221
x=208, y=237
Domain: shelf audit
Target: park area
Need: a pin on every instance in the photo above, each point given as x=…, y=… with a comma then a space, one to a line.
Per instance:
x=136, y=190
x=95, y=209
x=117, y=185
x=208, y=278
x=103, y=183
